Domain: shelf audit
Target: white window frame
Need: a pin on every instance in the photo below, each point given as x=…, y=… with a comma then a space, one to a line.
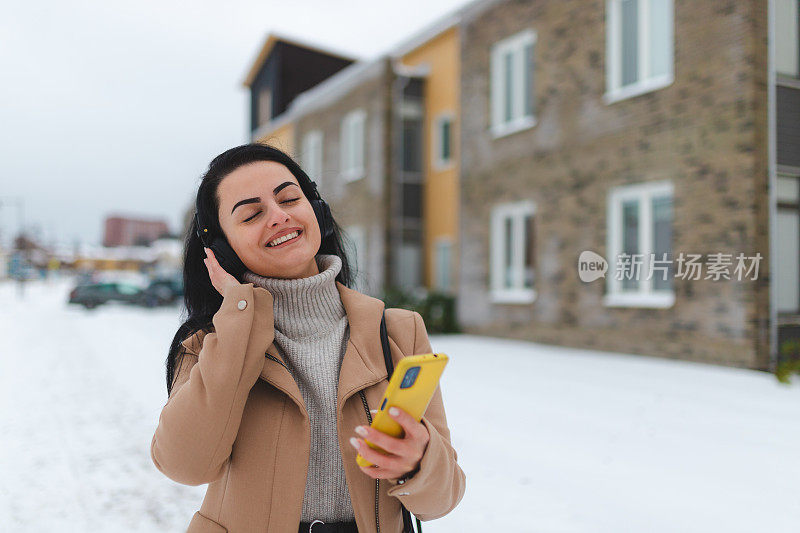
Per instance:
x=443, y=278
x=786, y=38
x=646, y=82
x=519, y=121
x=313, y=155
x=436, y=149
x=516, y=211
x=352, y=142
x=645, y=295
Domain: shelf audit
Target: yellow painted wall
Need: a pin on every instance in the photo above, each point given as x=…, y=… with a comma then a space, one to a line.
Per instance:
x=441, y=189
x=281, y=138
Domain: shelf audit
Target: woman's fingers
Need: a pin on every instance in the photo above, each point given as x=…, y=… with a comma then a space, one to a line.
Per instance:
x=387, y=442
x=220, y=278
x=413, y=429
x=381, y=460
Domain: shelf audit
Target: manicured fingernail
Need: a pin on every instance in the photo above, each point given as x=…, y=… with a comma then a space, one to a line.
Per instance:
x=361, y=430
x=393, y=411
x=354, y=442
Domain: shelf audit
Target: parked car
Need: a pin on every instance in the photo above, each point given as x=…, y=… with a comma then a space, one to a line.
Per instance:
x=162, y=291
x=93, y=294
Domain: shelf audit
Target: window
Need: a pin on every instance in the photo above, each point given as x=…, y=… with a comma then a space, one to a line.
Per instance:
x=444, y=248
x=352, y=145
x=412, y=200
x=312, y=155
x=512, y=84
x=443, y=141
x=357, y=255
x=512, y=253
x=640, y=232
x=787, y=40
x=264, y=106
x=412, y=144
x=787, y=268
x=639, y=47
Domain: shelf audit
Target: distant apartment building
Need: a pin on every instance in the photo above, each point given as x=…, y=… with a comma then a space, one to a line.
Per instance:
x=435, y=53
x=125, y=231
x=358, y=134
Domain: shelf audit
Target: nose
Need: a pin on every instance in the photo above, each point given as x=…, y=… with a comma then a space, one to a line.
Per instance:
x=277, y=216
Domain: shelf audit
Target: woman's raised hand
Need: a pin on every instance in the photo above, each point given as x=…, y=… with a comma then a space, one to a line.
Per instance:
x=220, y=279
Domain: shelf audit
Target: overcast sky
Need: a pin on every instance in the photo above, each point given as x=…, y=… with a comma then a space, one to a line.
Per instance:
x=118, y=106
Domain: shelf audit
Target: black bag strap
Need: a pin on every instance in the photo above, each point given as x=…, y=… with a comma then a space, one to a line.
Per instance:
x=387, y=357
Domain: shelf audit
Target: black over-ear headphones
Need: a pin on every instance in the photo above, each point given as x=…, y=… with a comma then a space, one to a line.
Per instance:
x=225, y=255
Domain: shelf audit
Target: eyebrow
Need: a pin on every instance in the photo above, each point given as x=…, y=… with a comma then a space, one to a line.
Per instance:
x=276, y=190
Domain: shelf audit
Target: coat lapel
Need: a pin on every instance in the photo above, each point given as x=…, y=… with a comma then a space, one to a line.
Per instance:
x=362, y=364
x=279, y=376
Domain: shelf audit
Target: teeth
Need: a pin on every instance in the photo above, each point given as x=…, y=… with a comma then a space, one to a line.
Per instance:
x=285, y=238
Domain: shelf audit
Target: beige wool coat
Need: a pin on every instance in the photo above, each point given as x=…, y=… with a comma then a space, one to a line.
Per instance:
x=236, y=420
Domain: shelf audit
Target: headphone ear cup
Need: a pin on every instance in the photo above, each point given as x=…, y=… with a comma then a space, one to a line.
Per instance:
x=323, y=212
x=227, y=258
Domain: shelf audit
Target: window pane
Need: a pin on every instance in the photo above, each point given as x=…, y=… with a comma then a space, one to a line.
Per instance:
x=345, y=144
x=358, y=143
x=630, y=41
x=788, y=263
x=508, y=266
x=529, y=235
x=528, y=89
x=508, y=80
x=443, y=266
x=409, y=266
x=317, y=157
x=412, y=145
x=659, y=39
x=412, y=200
x=786, y=37
x=264, y=106
x=662, y=240
x=630, y=240
x=445, y=148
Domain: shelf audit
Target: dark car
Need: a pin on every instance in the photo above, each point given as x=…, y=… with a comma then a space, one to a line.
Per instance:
x=162, y=291
x=93, y=294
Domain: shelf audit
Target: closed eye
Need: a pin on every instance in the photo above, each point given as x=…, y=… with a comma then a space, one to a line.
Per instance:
x=254, y=215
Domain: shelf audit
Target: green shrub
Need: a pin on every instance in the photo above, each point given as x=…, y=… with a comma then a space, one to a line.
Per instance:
x=438, y=309
x=789, y=361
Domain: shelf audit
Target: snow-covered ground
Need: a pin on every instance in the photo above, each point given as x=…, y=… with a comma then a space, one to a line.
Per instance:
x=552, y=440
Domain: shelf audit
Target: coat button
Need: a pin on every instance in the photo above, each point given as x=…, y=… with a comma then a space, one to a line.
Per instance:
x=242, y=304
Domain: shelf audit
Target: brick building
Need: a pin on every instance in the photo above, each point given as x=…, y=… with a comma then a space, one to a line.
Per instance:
x=125, y=231
x=620, y=127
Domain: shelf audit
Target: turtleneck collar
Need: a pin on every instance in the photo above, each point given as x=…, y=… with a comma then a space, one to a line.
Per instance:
x=305, y=306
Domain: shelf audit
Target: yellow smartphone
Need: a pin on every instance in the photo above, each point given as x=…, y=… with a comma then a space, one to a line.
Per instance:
x=411, y=388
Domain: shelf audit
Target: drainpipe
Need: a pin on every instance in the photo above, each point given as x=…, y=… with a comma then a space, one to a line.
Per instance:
x=773, y=184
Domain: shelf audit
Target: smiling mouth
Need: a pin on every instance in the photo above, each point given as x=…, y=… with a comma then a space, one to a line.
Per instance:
x=286, y=242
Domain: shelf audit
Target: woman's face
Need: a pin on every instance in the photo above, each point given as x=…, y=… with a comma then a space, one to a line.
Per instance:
x=260, y=202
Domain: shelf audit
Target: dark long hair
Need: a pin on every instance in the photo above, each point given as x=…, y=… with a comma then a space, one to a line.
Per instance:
x=201, y=299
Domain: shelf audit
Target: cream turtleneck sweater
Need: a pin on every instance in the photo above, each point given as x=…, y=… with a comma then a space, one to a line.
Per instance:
x=311, y=332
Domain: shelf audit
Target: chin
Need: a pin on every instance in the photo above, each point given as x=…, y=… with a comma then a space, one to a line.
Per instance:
x=293, y=263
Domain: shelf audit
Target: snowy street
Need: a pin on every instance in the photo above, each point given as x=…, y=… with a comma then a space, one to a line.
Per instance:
x=552, y=440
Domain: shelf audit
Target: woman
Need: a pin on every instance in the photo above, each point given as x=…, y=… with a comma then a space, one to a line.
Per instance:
x=271, y=377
